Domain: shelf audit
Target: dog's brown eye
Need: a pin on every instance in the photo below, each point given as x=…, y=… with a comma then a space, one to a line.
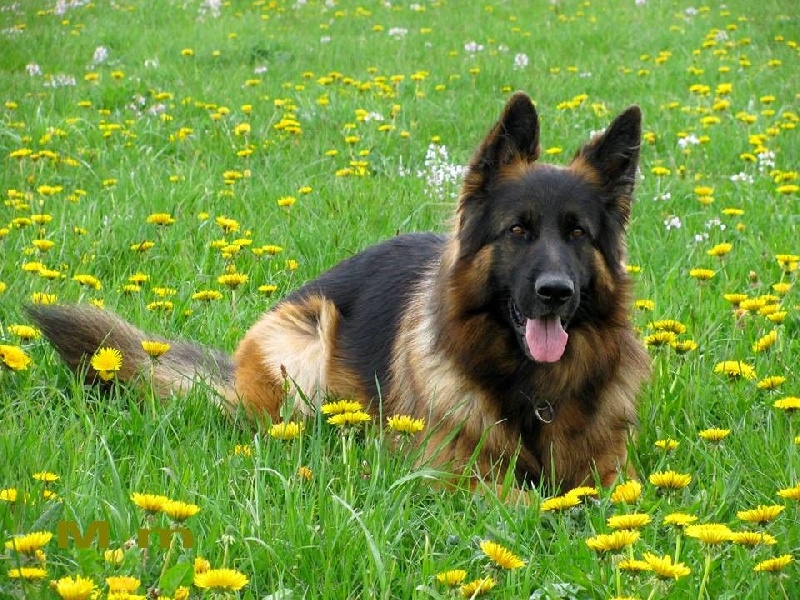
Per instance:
x=517, y=230
x=577, y=233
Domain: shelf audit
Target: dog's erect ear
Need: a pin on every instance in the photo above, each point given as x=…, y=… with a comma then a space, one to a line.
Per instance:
x=515, y=137
x=612, y=158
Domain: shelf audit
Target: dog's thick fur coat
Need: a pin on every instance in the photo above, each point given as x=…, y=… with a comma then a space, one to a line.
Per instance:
x=511, y=336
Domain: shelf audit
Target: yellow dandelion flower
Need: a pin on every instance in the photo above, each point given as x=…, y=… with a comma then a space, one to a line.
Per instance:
x=243, y=449
x=114, y=557
x=27, y=573
x=155, y=348
x=631, y=521
x=232, y=280
x=164, y=292
x=789, y=403
x=305, y=473
x=405, y=424
x=207, y=295
x=720, y=250
x=735, y=299
x=761, y=514
x=684, y=346
x=26, y=332
x=679, y=519
x=341, y=406
x=30, y=542
x=765, y=342
x=271, y=249
x=771, y=382
x=45, y=476
x=714, y=434
x=702, y=274
x=477, y=587
x=179, y=511
x=644, y=305
x=734, y=369
x=122, y=583
x=268, y=288
x=791, y=493
x=772, y=565
x=501, y=556
x=732, y=212
x=139, y=278
x=703, y=190
x=709, y=533
x=667, y=444
x=451, y=578
x=670, y=480
x=286, y=431
x=668, y=325
x=660, y=171
x=752, y=304
x=788, y=188
x=753, y=538
x=142, y=246
x=664, y=568
x=75, y=588
x=221, y=579
x=107, y=361
x=634, y=566
x=660, y=338
x=782, y=288
x=286, y=201
x=627, y=492
x=162, y=305
x=182, y=593
x=14, y=357
x=43, y=245
x=785, y=261
x=612, y=542
x=583, y=491
x=349, y=418
x=201, y=565
x=162, y=219
x=777, y=317
x=88, y=281
x=8, y=495
x=560, y=503
x=151, y=503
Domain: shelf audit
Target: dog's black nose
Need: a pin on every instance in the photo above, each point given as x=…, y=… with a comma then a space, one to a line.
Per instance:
x=554, y=289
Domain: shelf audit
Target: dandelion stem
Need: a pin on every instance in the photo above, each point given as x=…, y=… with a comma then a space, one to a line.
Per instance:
x=706, y=575
x=168, y=556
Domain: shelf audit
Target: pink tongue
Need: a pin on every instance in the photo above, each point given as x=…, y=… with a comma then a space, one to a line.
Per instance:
x=546, y=339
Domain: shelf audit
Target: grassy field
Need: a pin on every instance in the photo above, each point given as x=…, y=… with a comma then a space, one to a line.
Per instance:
x=149, y=147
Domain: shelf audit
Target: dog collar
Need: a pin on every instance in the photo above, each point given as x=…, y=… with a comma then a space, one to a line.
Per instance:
x=545, y=412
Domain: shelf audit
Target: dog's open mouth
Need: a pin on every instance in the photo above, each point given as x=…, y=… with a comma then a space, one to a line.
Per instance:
x=543, y=338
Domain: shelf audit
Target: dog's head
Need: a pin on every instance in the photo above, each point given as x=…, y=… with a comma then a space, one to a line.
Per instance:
x=551, y=238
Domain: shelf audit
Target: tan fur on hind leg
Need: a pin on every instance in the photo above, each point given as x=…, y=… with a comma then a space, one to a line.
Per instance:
x=295, y=343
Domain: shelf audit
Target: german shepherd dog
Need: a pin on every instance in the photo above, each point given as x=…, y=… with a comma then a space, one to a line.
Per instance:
x=511, y=336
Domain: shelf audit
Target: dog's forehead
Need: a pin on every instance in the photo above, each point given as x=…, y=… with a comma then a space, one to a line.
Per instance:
x=548, y=190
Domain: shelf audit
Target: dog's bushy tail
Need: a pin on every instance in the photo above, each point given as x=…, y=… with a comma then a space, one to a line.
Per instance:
x=78, y=331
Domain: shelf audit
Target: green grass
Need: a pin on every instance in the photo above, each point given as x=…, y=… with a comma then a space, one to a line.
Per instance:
x=153, y=128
